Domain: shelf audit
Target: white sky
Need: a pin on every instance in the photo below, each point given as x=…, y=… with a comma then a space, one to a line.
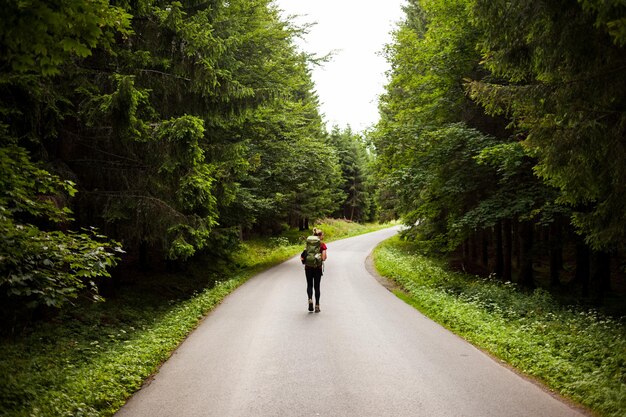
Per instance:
x=349, y=85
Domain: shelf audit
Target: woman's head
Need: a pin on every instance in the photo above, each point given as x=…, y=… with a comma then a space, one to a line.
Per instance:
x=318, y=232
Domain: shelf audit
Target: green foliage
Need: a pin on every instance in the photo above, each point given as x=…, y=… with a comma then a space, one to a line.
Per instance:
x=338, y=228
x=39, y=266
x=89, y=363
x=40, y=36
x=430, y=136
x=557, y=73
x=358, y=185
x=579, y=353
x=224, y=151
x=292, y=241
x=609, y=17
x=51, y=268
x=502, y=116
x=121, y=108
x=450, y=181
x=177, y=121
x=294, y=168
x=29, y=190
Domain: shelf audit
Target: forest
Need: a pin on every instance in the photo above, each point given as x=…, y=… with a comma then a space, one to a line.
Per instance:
x=502, y=139
x=155, y=154
x=148, y=134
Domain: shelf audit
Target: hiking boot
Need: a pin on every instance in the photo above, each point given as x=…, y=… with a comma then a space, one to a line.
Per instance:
x=310, y=305
x=317, y=308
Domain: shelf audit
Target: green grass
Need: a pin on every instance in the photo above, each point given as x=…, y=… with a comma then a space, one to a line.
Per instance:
x=90, y=358
x=578, y=353
x=339, y=229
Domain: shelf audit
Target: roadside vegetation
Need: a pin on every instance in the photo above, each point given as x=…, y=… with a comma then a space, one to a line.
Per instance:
x=501, y=139
x=87, y=360
x=260, y=253
x=575, y=351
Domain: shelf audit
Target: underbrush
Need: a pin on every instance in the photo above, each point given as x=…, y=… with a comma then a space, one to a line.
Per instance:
x=577, y=352
x=90, y=358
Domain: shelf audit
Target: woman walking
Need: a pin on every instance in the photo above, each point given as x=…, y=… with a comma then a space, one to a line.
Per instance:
x=313, y=259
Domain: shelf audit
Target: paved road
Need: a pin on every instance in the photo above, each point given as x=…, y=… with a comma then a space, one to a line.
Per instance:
x=261, y=353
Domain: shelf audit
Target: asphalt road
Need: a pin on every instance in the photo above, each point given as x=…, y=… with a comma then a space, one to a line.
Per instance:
x=367, y=353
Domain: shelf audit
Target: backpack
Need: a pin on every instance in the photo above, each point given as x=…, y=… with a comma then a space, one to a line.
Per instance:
x=313, y=258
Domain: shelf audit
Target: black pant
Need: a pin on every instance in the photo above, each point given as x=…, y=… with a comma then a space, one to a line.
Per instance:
x=313, y=278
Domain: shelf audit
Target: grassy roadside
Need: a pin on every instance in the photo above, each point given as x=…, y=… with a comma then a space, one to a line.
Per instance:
x=578, y=353
x=259, y=254
x=92, y=357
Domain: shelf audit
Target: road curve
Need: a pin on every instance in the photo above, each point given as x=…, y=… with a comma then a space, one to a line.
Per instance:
x=261, y=353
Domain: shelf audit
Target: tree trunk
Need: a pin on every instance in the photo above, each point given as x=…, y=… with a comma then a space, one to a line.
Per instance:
x=526, y=236
x=508, y=249
x=144, y=261
x=485, y=247
x=581, y=276
x=499, y=250
x=466, y=251
x=474, y=246
x=601, y=274
x=556, y=252
x=517, y=250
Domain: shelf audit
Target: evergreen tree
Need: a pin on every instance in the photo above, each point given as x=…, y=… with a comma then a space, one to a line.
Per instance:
x=558, y=74
x=460, y=177
x=163, y=118
x=43, y=261
x=357, y=185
